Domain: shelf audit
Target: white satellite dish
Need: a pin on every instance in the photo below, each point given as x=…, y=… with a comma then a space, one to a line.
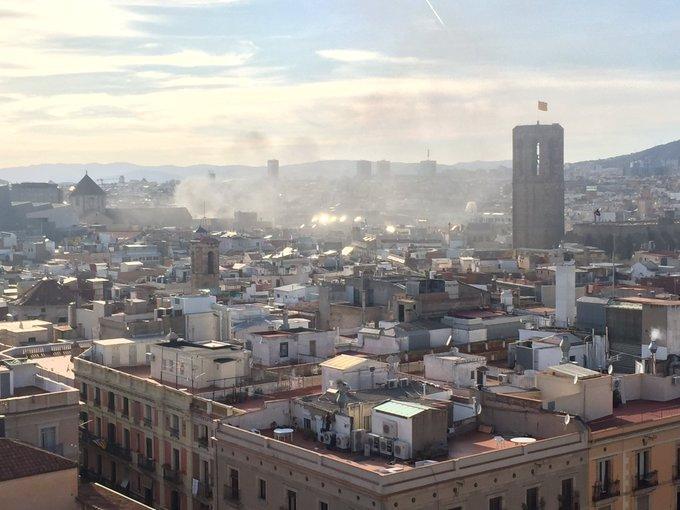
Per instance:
x=567, y=419
x=575, y=379
x=478, y=408
x=610, y=369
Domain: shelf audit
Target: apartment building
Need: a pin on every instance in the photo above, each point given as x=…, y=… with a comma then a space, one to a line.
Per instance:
x=36, y=409
x=145, y=438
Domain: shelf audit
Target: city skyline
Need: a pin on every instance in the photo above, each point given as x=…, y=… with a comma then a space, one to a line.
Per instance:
x=237, y=82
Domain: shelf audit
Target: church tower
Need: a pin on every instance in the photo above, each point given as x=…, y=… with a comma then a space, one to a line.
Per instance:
x=205, y=261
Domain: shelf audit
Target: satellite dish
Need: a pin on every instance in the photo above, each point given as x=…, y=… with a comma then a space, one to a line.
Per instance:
x=610, y=369
x=567, y=419
x=575, y=379
x=478, y=408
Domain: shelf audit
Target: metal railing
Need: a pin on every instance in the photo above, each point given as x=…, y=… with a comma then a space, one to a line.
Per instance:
x=174, y=432
x=147, y=422
x=172, y=475
x=606, y=489
x=119, y=451
x=205, y=490
x=146, y=463
x=646, y=480
x=202, y=441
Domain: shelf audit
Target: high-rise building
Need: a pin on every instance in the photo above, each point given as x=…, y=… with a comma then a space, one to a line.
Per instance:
x=363, y=169
x=537, y=186
x=273, y=168
x=383, y=168
x=427, y=168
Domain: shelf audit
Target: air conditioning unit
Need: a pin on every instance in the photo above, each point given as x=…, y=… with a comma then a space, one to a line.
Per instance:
x=342, y=441
x=358, y=439
x=392, y=383
x=328, y=437
x=386, y=445
x=389, y=428
x=503, y=378
x=451, y=431
x=150, y=356
x=402, y=450
x=403, y=382
x=374, y=441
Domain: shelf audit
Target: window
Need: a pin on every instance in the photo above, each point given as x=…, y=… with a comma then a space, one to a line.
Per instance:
x=112, y=401
x=97, y=396
x=126, y=407
x=642, y=462
x=175, y=459
x=233, y=478
x=149, y=448
x=292, y=500
x=312, y=348
x=48, y=438
x=263, y=489
x=283, y=350
x=532, y=499
x=98, y=426
x=496, y=503
x=31, y=340
x=472, y=374
x=567, y=495
x=323, y=505
x=83, y=391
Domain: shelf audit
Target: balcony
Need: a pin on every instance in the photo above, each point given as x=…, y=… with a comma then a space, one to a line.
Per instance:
x=568, y=501
x=147, y=422
x=232, y=494
x=172, y=475
x=204, y=492
x=146, y=464
x=97, y=402
x=646, y=480
x=119, y=451
x=202, y=442
x=605, y=490
x=173, y=432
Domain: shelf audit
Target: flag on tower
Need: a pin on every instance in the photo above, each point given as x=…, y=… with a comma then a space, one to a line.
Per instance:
x=543, y=106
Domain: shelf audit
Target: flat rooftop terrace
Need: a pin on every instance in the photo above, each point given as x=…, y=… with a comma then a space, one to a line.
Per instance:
x=636, y=412
x=464, y=445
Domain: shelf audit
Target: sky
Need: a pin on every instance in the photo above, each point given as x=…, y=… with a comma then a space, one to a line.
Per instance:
x=241, y=81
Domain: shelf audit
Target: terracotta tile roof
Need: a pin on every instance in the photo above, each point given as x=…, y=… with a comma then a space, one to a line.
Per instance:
x=46, y=292
x=19, y=460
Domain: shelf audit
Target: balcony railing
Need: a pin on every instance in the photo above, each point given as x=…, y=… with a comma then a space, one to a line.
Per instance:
x=174, y=432
x=202, y=442
x=147, y=422
x=606, y=489
x=646, y=480
x=568, y=501
x=205, y=491
x=232, y=493
x=119, y=451
x=172, y=475
x=146, y=463
x=97, y=402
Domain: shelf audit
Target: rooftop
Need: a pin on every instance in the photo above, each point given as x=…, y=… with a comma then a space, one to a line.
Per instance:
x=651, y=301
x=345, y=361
x=636, y=412
x=19, y=460
x=401, y=409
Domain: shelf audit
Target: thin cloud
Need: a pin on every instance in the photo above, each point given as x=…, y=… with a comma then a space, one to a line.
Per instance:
x=358, y=56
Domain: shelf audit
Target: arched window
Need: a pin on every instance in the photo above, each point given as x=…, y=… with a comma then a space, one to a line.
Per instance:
x=211, y=263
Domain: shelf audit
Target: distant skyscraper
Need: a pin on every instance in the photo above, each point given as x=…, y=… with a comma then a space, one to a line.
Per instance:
x=427, y=168
x=383, y=168
x=273, y=168
x=537, y=186
x=364, y=169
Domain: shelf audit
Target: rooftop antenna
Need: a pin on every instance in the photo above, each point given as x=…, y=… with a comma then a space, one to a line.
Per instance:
x=428, y=154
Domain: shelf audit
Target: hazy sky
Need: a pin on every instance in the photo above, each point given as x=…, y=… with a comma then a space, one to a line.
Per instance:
x=210, y=81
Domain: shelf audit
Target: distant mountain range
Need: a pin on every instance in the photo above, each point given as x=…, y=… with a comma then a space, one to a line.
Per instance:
x=653, y=155
x=67, y=172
